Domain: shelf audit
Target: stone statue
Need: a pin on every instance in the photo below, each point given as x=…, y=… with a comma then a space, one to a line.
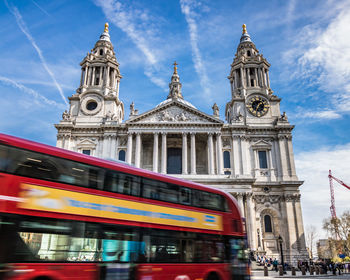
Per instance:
x=215, y=110
x=283, y=117
x=238, y=117
x=66, y=116
x=132, y=109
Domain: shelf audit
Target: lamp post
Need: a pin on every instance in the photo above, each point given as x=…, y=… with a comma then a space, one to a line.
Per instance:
x=280, y=241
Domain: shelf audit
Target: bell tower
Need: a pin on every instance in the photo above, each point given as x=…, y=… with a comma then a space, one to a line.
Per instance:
x=251, y=96
x=97, y=98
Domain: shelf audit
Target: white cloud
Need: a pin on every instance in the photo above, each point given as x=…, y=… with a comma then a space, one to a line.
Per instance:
x=138, y=26
x=21, y=24
x=320, y=60
x=313, y=167
x=322, y=115
x=35, y=94
x=187, y=8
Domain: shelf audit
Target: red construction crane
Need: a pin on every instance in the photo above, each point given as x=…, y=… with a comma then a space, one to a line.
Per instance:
x=330, y=176
x=333, y=212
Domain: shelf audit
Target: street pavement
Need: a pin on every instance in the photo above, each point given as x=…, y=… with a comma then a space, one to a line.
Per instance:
x=259, y=275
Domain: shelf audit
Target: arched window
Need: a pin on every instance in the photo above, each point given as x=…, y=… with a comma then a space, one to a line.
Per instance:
x=248, y=53
x=101, y=51
x=268, y=224
x=121, y=155
x=227, y=162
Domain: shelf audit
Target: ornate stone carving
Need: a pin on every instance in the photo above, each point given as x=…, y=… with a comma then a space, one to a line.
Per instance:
x=174, y=114
x=225, y=141
x=262, y=199
x=66, y=116
x=292, y=197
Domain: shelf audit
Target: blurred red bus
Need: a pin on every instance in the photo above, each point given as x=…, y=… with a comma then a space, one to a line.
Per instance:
x=68, y=215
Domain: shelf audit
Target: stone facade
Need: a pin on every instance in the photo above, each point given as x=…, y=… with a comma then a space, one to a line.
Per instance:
x=249, y=156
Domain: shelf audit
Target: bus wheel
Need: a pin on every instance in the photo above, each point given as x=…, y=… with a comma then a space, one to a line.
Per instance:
x=213, y=276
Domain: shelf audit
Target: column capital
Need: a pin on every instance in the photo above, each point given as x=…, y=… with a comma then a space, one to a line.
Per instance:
x=184, y=133
x=218, y=134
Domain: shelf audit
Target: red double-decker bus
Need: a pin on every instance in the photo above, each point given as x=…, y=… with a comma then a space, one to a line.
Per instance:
x=65, y=215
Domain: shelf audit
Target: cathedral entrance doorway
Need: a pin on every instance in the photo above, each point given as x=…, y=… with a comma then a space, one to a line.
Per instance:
x=174, y=161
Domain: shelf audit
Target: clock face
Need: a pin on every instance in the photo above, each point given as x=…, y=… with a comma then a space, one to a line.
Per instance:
x=257, y=106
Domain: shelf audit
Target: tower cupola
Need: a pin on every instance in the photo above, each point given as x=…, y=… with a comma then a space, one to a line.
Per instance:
x=100, y=69
x=175, y=85
x=97, y=98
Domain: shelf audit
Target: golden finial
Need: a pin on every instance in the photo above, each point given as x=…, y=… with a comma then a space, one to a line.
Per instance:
x=244, y=29
x=175, y=67
x=106, y=27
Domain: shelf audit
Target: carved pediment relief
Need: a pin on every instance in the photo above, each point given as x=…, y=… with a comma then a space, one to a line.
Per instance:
x=86, y=143
x=261, y=144
x=175, y=113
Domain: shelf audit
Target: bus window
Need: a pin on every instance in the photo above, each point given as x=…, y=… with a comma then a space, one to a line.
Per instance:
x=4, y=160
x=162, y=246
x=30, y=164
x=121, y=245
x=160, y=191
x=208, y=200
x=185, y=196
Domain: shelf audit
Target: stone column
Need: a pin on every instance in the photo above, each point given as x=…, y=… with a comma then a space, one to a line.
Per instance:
x=138, y=150
x=256, y=77
x=283, y=155
x=82, y=76
x=93, y=76
x=268, y=78
x=251, y=217
x=219, y=153
x=242, y=78
x=193, y=153
x=293, y=173
x=245, y=156
x=105, y=146
x=241, y=203
x=184, y=153
x=129, y=148
x=59, y=142
x=291, y=223
x=248, y=77
x=155, y=151
x=164, y=154
x=299, y=225
x=210, y=154
x=85, y=75
x=107, y=76
x=235, y=79
x=236, y=155
x=100, y=76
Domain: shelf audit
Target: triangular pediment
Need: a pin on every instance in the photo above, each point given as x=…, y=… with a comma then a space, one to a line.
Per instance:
x=174, y=112
x=261, y=144
x=86, y=143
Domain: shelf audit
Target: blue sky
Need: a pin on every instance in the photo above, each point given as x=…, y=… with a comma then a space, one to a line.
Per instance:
x=306, y=43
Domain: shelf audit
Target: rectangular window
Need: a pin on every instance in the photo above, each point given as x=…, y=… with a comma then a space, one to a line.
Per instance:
x=86, y=152
x=262, y=159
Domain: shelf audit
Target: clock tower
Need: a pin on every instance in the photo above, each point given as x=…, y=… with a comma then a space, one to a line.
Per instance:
x=252, y=100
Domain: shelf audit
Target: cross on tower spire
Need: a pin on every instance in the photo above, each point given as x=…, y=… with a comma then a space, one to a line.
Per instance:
x=175, y=67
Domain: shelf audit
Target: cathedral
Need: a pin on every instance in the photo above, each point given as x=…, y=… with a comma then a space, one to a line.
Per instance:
x=249, y=155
